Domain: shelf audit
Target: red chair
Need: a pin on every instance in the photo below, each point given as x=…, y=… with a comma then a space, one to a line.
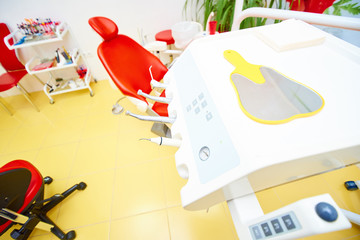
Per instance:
x=15, y=70
x=22, y=201
x=165, y=36
x=128, y=63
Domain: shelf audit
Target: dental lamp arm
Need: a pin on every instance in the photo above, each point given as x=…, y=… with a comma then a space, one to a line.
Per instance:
x=157, y=99
x=152, y=118
x=312, y=18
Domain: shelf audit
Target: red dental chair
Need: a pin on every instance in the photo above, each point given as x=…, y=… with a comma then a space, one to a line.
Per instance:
x=22, y=201
x=15, y=70
x=128, y=63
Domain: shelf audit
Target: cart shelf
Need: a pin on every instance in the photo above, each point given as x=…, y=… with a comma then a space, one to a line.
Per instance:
x=29, y=66
x=60, y=90
x=50, y=88
x=60, y=32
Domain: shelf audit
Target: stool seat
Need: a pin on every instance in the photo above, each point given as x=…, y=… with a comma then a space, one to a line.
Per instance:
x=165, y=36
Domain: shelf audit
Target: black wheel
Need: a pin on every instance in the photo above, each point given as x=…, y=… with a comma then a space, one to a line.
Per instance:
x=82, y=186
x=91, y=94
x=95, y=80
x=15, y=234
x=70, y=235
x=48, y=180
x=52, y=101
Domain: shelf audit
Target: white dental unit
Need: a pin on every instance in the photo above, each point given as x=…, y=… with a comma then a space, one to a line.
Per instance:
x=228, y=151
x=260, y=107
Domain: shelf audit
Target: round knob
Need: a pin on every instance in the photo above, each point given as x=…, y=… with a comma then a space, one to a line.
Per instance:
x=204, y=153
x=326, y=211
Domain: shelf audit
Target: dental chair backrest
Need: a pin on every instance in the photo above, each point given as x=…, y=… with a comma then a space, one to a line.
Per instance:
x=127, y=62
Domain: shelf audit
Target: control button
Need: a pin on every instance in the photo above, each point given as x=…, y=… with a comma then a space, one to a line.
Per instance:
x=257, y=232
x=276, y=225
x=204, y=103
x=194, y=102
x=188, y=108
x=197, y=110
x=326, y=211
x=201, y=96
x=209, y=116
x=288, y=222
x=266, y=229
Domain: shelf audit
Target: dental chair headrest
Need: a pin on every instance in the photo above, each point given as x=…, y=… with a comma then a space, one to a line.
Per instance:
x=105, y=27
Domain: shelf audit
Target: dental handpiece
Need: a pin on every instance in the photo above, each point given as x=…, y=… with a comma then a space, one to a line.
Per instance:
x=159, y=119
x=156, y=84
x=157, y=99
x=164, y=141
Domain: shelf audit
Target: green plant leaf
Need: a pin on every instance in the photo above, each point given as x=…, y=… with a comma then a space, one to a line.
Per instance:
x=224, y=22
x=345, y=5
x=209, y=7
x=351, y=8
x=341, y=2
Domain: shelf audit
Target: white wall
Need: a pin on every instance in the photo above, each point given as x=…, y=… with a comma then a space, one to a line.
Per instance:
x=130, y=15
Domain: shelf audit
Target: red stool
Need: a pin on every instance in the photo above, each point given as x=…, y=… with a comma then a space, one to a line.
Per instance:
x=165, y=36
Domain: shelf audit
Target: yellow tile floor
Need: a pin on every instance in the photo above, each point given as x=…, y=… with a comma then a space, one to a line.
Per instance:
x=133, y=187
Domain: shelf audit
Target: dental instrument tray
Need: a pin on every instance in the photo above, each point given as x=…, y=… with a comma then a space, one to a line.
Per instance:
x=22, y=41
x=227, y=143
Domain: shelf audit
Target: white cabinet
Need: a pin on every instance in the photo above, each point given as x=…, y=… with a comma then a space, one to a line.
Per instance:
x=53, y=86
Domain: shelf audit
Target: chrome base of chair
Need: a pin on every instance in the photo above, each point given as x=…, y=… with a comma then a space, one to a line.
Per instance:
x=5, y=107
x=27, y=96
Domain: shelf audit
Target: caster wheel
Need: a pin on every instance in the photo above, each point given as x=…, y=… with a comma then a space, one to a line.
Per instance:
x=52, y=102
x=82, y=186
x=70, y=235
x=95, y=80
x=91, y=94
x=48, y=180
x=15, y=234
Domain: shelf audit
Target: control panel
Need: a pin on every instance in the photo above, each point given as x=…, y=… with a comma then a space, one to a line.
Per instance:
x=212, y=148
x=306, y=217
x=278, y=225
